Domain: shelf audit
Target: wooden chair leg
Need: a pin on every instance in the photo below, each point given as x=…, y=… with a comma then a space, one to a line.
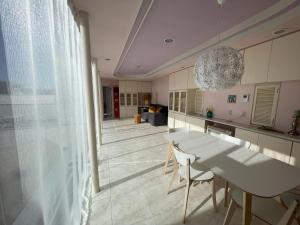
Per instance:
x=230, y=212
x=168, y=158
x=213, y=187
x=186, y=196
x=175, y=171
x=226, y=193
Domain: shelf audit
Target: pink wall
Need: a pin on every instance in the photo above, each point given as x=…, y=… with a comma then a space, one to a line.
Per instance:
x=218, y=100
x=289, y=101
x=109, y=82
x=160, y=89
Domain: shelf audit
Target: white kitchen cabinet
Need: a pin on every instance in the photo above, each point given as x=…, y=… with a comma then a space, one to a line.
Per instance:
x=179, y=121
x=191, y=81
x=131, y=86
x=171, y=100
x=257, y=61
x=295, y=156
x=171, y=82
x=284, y=64
x=183, y=102
x=171, y=121
x=144, y=86
x=176, y=101
x=276, y=148
x=250, y=136
x=195, y=124
x=122, y=86
x=181, y=79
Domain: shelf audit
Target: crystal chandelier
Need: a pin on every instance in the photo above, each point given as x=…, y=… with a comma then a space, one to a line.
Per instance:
x=219, y=68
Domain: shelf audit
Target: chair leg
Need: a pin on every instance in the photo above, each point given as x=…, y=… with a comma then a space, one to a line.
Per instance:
x=168, y=158
x=175, y=171
x=186, y=196
x=229, y=213
x=213, y=187
x=226, y=193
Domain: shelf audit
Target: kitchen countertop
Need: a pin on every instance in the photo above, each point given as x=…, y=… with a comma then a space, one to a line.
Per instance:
x=247, y=127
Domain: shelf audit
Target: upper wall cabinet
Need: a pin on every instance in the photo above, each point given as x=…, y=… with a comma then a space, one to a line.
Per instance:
x=257, y=60
x=171, y=82
x=181, y=78
x=191, y=81
x=131, y=86
x=285, y=57
x=144, y=86
x=122, y=86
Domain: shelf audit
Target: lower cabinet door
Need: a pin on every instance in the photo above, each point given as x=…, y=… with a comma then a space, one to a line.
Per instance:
x=250, y=136
x=171, y=120
x=295, y=156
x=195, y=124
x=180, y=121
x=276, y=148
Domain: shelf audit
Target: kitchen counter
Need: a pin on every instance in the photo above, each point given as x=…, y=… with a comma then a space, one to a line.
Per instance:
x=247, y=127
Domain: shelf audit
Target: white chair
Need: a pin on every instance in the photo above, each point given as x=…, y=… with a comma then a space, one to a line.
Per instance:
x=266, y=209
x=191, y=171
x=236, y=141
x=289, y=197
x=170, y=155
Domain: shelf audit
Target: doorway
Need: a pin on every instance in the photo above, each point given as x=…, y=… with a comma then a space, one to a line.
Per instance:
x=107, y=102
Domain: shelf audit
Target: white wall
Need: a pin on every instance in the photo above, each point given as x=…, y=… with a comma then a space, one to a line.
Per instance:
x=160, y=89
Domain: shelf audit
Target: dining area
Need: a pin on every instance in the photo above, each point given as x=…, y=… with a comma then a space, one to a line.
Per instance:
x=263, y=187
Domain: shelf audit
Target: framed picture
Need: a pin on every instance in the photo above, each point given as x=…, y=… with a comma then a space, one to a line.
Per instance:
x=231, y=99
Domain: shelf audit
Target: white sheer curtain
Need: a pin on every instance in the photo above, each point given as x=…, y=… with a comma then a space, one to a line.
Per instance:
x=44, y=172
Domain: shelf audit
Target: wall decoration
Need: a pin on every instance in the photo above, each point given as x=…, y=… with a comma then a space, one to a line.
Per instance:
x=231, y=99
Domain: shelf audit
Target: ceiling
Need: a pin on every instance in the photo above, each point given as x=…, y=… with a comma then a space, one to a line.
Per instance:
x=131, y=32
x=110, y=24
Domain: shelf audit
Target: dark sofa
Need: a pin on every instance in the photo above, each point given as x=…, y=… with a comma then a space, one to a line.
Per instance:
x=157, y=118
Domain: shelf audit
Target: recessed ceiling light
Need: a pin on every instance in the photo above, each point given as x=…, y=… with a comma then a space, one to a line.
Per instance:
x=107, y=59
x=168, y=40
x=280, y=31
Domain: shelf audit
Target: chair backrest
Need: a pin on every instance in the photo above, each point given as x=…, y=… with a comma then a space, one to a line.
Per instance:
x=236, y=141
x=182, y=157
x=288, y=217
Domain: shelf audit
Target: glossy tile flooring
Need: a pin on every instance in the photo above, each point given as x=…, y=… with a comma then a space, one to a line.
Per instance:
x=133, y=189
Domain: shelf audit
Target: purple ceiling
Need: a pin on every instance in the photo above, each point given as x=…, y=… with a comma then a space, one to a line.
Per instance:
x=189, y=23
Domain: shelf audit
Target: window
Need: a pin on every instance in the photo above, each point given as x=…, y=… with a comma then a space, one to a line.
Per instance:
x=122, y=99
x=128, y=99
x=134, y=99
x=265, y=104
x=182, y=101
x=176, y=104
x=198, y=101
x=171, y=100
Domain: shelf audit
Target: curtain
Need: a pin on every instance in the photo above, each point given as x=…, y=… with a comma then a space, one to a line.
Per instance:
x=44, y=168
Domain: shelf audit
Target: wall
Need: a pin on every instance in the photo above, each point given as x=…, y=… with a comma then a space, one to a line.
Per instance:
x=160, y=90
x=288, y=102
x=218, y=100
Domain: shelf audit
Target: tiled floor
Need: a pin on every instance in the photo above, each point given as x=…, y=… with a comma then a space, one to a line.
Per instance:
x=133, y=189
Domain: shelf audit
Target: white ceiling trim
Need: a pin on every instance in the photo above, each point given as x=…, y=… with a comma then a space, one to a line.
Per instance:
x=232, y=33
